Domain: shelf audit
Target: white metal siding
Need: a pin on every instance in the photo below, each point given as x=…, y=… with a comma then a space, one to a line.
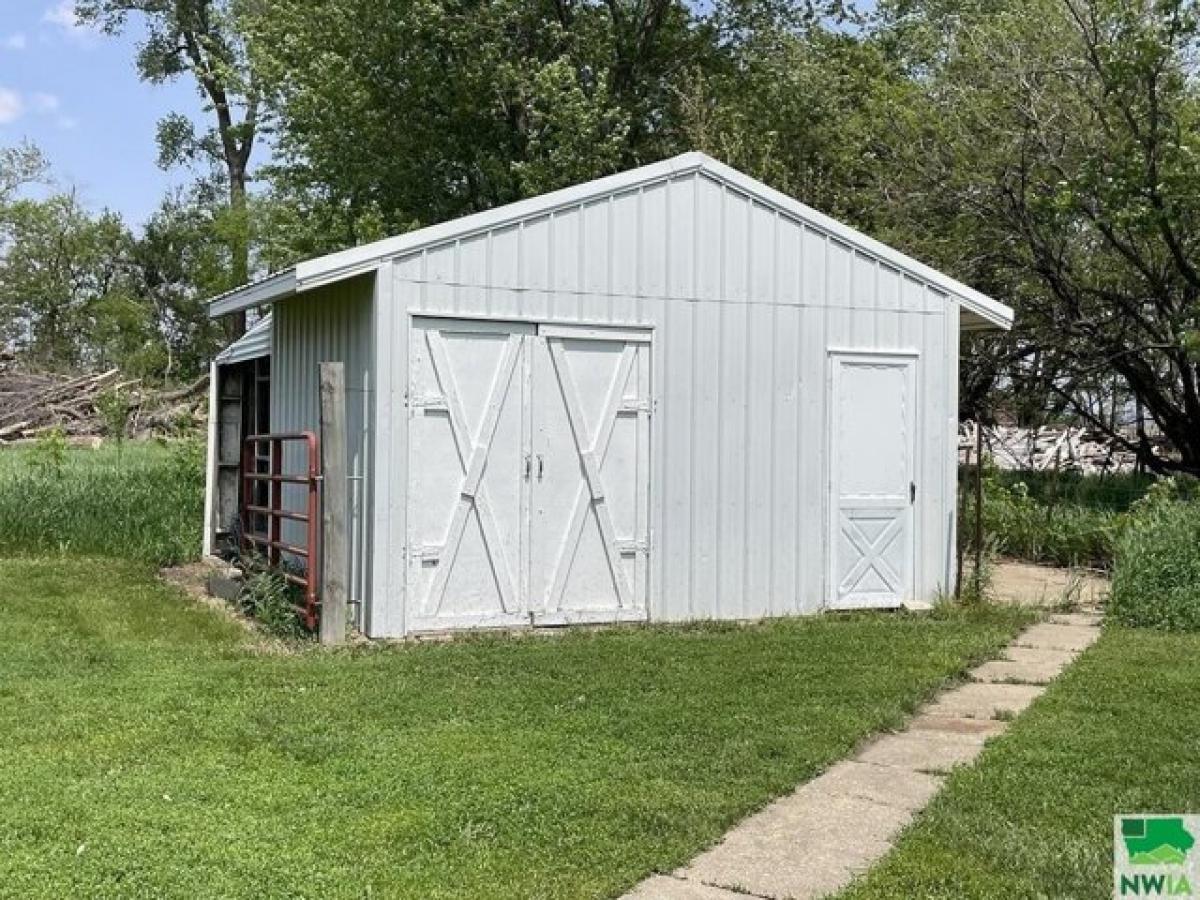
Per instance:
x=334, y=323
x=746, y=302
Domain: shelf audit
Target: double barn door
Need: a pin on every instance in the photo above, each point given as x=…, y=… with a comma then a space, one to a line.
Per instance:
x=529, y=474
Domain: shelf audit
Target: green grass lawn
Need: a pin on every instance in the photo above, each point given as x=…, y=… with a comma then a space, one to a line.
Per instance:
x=149, y=748
x=1118, y=733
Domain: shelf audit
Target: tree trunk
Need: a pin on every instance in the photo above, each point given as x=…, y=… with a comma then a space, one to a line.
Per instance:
x=239, y=245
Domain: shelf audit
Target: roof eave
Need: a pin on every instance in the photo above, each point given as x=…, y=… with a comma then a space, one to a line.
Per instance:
x=359, y=260
x=994, y=317
x=260, y=293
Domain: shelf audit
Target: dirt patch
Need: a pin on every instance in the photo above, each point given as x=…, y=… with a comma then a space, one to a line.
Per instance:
x=192, y=579
x=1030, y=585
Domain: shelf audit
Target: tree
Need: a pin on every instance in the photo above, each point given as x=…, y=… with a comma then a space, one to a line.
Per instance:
x=797, y=103
x=180, y=260
x=399, y=113
x=203, y=38
x=20, y=165
x=1056, y=165
x=63, y=283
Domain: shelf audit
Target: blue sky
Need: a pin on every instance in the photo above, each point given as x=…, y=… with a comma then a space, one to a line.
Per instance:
x=75, y=93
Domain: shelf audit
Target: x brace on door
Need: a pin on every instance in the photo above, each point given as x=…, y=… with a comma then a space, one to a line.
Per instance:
x=472, y=458
x=872, y=554
x=592, y=449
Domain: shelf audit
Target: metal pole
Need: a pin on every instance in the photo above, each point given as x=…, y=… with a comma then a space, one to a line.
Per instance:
x=978, y=574
x=959, y=542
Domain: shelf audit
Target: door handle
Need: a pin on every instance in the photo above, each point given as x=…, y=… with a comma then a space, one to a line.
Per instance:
x=528, y=466
x=541, y=466
x=912, y=492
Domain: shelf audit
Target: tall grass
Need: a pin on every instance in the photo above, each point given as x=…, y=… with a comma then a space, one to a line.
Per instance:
x=1019, y=522
x=141, y=501
x=1112, y=493
x=1156, y=578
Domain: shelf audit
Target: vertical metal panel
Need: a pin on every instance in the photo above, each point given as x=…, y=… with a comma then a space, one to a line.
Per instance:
x=759, y=488
x=783, y=475
x=705, y=489
x=675, y=545
x=746, y=303
x=331, y=323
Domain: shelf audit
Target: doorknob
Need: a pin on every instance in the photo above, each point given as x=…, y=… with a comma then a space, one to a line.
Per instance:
x=912, y=492
x=528, y=466
x=541, y=466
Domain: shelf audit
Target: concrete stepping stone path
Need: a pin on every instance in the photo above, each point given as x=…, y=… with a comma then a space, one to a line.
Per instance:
x=813, y=842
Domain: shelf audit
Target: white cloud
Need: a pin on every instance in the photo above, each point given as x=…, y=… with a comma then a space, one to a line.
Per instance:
x=44, y=103
x=16, y=41
x=63, y=15
x=11, y=105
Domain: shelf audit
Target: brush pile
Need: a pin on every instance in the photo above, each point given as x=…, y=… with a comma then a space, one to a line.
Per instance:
x=93, y=406
x=1049, y=448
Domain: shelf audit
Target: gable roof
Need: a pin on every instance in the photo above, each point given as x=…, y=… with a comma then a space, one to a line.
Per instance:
x=980, y=310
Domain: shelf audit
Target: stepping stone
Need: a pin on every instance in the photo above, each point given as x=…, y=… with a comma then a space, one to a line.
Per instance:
x=1040, y=656
x=904, y=789
x=1087, y=619
x=984, y=701
x=1058, y=637
x=924, y=751
x=807, y=845
x=1006, y=671
x=984, y=728
x=664, y=887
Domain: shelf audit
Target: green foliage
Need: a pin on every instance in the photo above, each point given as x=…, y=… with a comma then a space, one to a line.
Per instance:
x=1019, y=525
x=1156, y=579
x=62, y=280
x=444, y=109
x=1112, y=493
x=1051, y=157
x=152, y=749
x=48, y=455
x=113, y=407
x=147, y=506
x=271, y=600
x=79, y=291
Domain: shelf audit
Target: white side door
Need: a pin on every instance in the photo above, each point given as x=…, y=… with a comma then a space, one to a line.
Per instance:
x=468, y=442
x=872, y=488
x=590, y=527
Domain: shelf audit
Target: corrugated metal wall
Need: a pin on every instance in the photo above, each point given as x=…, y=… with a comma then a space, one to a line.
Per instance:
x=746, y=302
x=333, y=323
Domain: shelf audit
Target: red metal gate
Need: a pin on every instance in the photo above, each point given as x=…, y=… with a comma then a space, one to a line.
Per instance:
x=263, y=480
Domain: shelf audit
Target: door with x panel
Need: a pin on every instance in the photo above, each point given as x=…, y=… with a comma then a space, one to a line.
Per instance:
x=872, y=487
x=589, y=532
x=468, y=437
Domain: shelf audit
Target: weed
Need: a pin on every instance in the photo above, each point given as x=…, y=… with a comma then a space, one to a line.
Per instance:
x=48, y=456
x=1156, y=579
x=271, y=600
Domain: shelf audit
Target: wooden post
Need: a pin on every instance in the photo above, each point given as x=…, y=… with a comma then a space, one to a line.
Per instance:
x=335, y=518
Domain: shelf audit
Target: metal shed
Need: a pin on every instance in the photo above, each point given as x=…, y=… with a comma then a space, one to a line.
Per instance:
x=669, y=394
